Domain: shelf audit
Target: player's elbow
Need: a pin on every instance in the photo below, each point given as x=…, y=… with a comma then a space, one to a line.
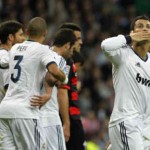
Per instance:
x=104, y=45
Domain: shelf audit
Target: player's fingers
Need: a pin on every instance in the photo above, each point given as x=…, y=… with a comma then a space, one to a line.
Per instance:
x=34, y=97
x=35, y=103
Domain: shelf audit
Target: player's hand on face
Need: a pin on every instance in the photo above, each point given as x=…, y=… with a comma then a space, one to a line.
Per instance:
x=39, y=100
x=140, y=36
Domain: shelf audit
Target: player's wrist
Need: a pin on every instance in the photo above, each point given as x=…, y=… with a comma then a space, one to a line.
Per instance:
x=128, y=39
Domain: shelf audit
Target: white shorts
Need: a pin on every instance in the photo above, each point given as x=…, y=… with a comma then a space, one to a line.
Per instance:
x=146, y=145
x=127, y=135
x=20, y=134
x=54, y=137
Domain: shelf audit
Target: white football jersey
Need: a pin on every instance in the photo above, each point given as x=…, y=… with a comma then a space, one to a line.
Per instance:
x=146, y=130
x=4, y=64
x=131, y=79
x=50, y=111
x=28, y=62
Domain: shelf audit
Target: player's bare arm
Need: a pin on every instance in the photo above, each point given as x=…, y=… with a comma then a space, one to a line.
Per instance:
x=57, y=73
x=64, y=111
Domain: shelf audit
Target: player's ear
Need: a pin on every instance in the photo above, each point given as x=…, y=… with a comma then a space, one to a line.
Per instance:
x=10, y=37
x=45, y=33
x=67, y=45
x=27, y=32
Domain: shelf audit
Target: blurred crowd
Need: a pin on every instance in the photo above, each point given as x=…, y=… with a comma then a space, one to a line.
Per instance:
x=98, y=19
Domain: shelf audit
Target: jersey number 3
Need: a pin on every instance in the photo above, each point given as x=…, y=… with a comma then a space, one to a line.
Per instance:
x=18, y=58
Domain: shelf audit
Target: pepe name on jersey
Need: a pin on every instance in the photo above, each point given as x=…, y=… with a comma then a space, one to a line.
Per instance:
x=22, y=48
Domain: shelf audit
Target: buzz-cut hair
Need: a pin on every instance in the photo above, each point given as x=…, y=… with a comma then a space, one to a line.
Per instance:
x=143, y=17
x=7, y=28
x=64, y=36
x=70, y=25
x=37, y=26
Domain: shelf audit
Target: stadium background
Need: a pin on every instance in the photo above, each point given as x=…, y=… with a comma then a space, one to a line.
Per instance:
x=98, y=19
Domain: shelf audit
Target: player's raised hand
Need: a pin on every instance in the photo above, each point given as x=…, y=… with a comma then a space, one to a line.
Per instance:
x=140, y=36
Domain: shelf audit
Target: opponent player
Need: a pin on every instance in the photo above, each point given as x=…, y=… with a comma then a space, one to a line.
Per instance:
x=11, y=32
x=75, y=139
x=131, y=74
x=28, y=61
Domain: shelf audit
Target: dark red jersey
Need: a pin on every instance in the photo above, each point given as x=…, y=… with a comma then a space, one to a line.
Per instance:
x=74, y=110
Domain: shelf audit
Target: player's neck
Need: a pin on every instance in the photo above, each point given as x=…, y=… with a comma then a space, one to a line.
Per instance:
x=5, y=46
x=36, y=39
x=141, y=49
x=57, y=50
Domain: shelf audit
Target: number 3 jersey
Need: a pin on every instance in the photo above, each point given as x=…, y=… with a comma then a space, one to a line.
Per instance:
x=28, y=62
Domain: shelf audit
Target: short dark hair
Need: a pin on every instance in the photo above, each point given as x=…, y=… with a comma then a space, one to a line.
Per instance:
x=64, y=36
x=37, y=26
x=70, y=25
x=144, y=17
x=9, y=27
x=78, y=57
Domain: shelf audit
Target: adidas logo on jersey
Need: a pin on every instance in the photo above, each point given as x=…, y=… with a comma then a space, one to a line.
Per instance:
x=138, y=64
x=143, y=81
x=125, y=46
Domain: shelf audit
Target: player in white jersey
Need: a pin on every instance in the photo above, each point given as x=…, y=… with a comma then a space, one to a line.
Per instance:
x=11, y=32
x=63, y=45
x=131, y=79
x=28, y=61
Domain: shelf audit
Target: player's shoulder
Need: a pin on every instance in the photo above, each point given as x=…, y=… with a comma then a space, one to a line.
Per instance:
x=59, y=59
x=35, y=45
x=56, y=55
x=44, y=48
x=3, y=52
x=15, y=45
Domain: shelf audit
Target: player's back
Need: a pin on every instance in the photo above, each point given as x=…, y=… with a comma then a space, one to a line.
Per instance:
x=4, y=55
x=27, y=68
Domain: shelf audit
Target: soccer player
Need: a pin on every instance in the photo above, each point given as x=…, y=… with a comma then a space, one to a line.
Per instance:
x=131, y=75
x=28, y=61
x=63, y=46
x=75, y=138
x=11, y=32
